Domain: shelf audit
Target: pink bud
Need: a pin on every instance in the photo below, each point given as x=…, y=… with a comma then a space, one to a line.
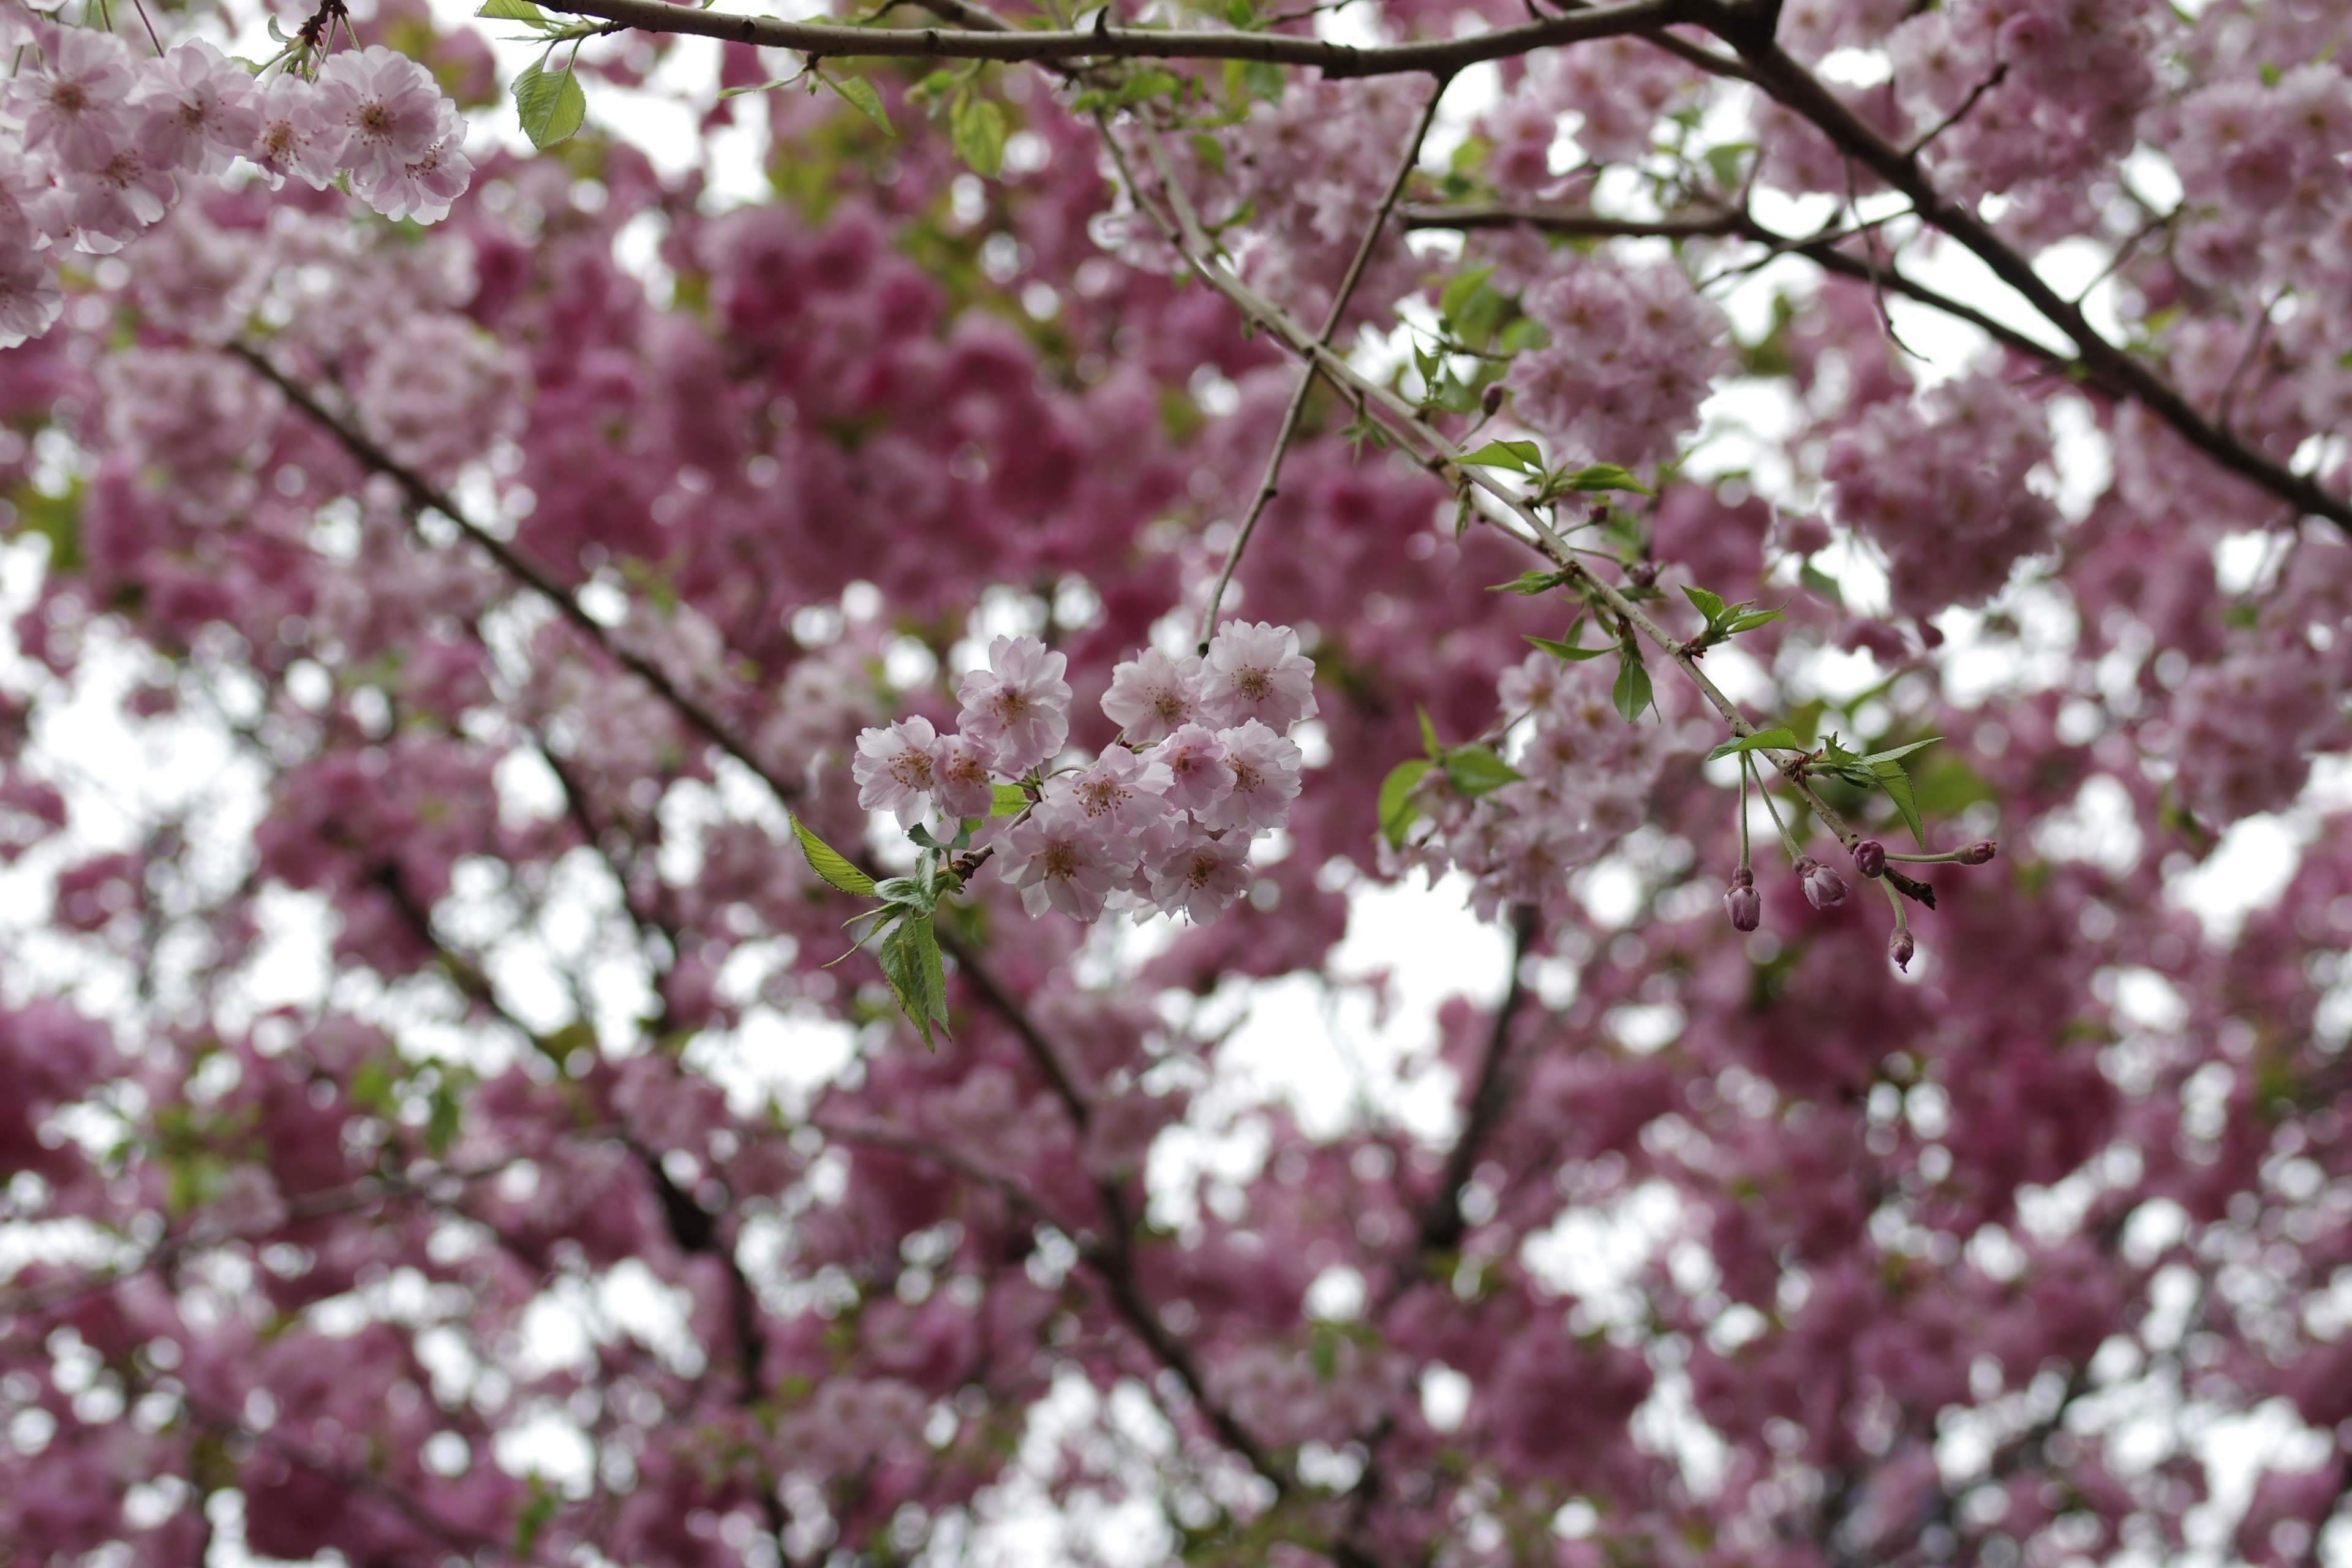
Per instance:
x=1976, y=854
x=1870, y=857
x=1742, y=902
x=1900, y=947
x=1823, y=887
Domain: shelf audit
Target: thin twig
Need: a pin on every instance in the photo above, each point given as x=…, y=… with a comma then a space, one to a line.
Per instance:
x=1999, y=74
x=1269, y=486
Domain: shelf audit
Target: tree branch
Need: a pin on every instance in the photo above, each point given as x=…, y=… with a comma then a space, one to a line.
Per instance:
x=1104, y=41
x=1780, y=75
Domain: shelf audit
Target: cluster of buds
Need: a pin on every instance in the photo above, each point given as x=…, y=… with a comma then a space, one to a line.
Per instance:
x=1163, y=821
x=1825, y=889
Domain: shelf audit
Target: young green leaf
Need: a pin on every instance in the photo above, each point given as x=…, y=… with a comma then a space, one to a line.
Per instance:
x=1531, y=583
x=1750, y=621
x=1706, y=604
x=1606, y=476
x=1821, y=583
x=1478, y=769
x=979, y=132
x=1899, y=753
x=1519, y=456
x=1898, y=786
x=830, y=863
x=910, y=963
x=1763, y=740
x=1011, y=801
x=1568, y=648
x=1428, y=731
x=549, y=103
x=1631, y=692
x=1457, y=298
x=863, y=96
x=1397, y=810
x=513, y=11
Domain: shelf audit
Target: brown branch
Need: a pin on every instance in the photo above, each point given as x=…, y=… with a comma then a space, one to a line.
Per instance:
x=1104, y=41
x=1748, y=31
x=425, y=496
x=1442, y=1222
x=1821, y=251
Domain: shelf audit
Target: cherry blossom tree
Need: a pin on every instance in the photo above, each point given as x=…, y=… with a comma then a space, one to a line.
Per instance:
x=647, y=829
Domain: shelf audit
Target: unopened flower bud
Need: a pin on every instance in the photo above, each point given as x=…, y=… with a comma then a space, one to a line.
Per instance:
x=1492, y=402
x=1742, y=902
x=1870, y=857
x=1979, y=852
x=1824, y=888
x=1900, y=947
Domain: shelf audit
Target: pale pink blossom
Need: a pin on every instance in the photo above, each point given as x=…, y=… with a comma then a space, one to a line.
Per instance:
x=71, y=96
x=1264, y=767
x=1127, y=792
x=30, y=300
x=1019, y=707
x=896, y=769
x=1061, y=858
x=1152, y=695
x=962, y=785
x=1195, y=759
x=387, y=109
x=425, y=189
x=296, y=136
x=1202, y=876
x=201, y=109
x=1256, y=672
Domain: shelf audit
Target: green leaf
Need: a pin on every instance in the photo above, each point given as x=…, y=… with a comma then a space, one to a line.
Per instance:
x=1531, y=583
x=1750, y=621
x=1820, y=582
x=1397, y=810
x=979, y=132
x=1763, y=740
x=861, y=94
x=911, y=964
x=1011, y=801
x=1707, y=604
x=1242, y=14
x=549, y=103
x=1429, y=732
x=830, y=863
x=1519, y=456
x=1631, y=692
x=1898, y=786
x=1607, y=477
x=513, y=11
x=1899, y=753
x=1457, y=298
x=1572, y=648
x=1264, y=80
x=1478, y=769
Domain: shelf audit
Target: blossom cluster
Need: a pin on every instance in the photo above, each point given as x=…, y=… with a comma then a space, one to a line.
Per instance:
x=1163, y=820
x=1584, y=783
x=1941, y=487
x=93, y=142
x=1632, y=354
